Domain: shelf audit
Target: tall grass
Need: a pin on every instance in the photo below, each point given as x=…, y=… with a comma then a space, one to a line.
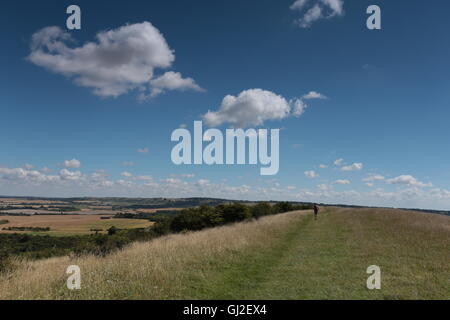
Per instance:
x=159, y=269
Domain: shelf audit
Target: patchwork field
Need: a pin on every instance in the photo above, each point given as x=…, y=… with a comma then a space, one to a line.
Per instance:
x=63, y=225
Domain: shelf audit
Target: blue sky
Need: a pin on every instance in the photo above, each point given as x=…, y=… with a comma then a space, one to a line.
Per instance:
x=385, y=114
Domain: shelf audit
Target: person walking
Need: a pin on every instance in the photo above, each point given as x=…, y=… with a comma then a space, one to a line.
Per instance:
x=316, y=211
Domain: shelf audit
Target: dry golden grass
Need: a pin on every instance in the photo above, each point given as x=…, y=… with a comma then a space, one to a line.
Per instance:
x=71, y=224
x=156, y=269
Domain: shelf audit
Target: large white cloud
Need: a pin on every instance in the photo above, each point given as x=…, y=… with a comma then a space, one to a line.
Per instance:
x=118, y=61
x=314, y=10
x=253, y=107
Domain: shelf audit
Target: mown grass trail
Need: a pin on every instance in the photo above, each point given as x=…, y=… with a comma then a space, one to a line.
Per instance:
x=328, y=259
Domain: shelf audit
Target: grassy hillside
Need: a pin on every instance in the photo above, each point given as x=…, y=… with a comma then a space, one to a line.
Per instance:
x=286, y=256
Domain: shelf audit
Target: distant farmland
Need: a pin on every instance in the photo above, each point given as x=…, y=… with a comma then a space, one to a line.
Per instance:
x=61, y=225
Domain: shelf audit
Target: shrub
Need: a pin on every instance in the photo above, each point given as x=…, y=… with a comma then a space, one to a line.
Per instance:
x=281, y=207
x=261, y=209
x=5, y=263
x=162, y=226
x=233, y=212
x=195, y=219
x=112, y=231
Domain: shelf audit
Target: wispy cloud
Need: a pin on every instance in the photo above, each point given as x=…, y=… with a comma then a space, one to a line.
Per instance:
x=74, y=163
x=353, y=167
x=408, y=180
x=374, y=177
x=311, y=174
x=338, y=162
x=341, y=181
x=143, y=150
x=314, y=10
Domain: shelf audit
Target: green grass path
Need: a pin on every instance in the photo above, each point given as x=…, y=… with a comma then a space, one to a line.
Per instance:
x=326, y=259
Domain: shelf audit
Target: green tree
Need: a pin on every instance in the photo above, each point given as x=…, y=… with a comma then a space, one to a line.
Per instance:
x=261, y=209
x=233, y=212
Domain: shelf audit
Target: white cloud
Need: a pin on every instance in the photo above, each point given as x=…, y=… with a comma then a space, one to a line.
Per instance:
x=253, y=107
x=323, y=166
x=128, y=163
x=313, y=14
x=250, y=108
x=126, y=174
x=173, y=181
x=120, y=60
x=353, y=167
x=69, y=175
x=319, y=9
x=143, y=178
x=314, y=95
x=143, y=150
x=98, y=176
x=28, y=166
x=172, y=81
x=298, y=5
x=370, y=184
x=408, y=180
x=340, y=181
x=203, y=182
x=338, y=162
x=74, y=163
x=323, y=187
x=374, y=177
x=15, y=175
x=337, y=6
x=311, y=174
x=298, y=107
